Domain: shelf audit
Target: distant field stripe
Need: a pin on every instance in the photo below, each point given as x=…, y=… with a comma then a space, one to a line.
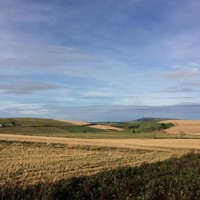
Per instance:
x=190, y=144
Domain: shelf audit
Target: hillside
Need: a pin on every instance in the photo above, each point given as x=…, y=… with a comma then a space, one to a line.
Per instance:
x=93, y=125
x=133, y=129
x=184, y=127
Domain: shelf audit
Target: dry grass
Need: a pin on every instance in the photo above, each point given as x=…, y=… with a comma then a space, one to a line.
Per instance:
x=184, y=127
x=27, y=163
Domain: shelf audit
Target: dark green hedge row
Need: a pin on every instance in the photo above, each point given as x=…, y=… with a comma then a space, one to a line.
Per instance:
x=172, y=179
x=150, y=126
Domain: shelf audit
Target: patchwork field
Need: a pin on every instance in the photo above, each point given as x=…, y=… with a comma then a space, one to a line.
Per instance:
x=184, y=127
x=42, y=159
x=72, y=129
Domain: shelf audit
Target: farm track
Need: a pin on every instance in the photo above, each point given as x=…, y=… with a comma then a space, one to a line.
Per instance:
x=151, y=144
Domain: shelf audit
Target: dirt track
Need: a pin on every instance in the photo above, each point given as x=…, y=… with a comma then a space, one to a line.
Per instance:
x=189, y=144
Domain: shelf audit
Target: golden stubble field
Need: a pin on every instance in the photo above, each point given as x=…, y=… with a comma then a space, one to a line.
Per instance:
x=26, y=159
x=184, y=127
x=97, y=126
x=25, y=163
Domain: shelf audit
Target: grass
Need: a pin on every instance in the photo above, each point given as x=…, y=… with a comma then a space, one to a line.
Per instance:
x=143, y=126
x=176, y=178
x=48, y=127
x=34, y=122
x=50, y=131
x=87, y=132
x=25, y=163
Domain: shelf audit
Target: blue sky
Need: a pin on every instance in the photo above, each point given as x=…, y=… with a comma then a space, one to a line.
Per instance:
x=86, y=60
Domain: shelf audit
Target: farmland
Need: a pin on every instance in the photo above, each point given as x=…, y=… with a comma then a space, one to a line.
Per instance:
x=28, y=162
x=184, y=127
x=68, y=159
x=41, y=171
x=70, y=129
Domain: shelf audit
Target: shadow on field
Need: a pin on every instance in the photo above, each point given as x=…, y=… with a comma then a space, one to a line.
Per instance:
x=176, y=178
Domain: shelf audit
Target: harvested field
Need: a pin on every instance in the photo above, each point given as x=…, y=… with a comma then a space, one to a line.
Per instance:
x=97, y=126
x=78, y=123
x=25, y=163
x=184, y=127
x=151, y=144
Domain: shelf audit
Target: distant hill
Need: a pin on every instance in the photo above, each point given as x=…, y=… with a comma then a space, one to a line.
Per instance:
x=33, y=122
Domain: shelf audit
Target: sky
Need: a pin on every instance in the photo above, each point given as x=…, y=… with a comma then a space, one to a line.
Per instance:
x=100, y=60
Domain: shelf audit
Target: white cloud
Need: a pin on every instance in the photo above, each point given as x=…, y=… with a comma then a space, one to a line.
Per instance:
x=97, y=94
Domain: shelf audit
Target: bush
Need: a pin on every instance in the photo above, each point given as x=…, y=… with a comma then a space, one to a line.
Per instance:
x=153, y=126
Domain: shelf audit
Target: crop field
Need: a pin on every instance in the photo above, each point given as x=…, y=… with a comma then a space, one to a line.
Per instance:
x=97, y=126
x=51, y=158
x=172, y=179
x=150, y=144
x=184, y=127
x=28, y=163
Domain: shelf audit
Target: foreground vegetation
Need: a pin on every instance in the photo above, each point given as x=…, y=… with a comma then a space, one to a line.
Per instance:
x=176, y=178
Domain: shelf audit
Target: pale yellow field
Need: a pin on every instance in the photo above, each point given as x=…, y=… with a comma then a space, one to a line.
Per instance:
x=101, y=127
x=191, y=127
x=78, y=123
x=151, y=144
x=28, y=163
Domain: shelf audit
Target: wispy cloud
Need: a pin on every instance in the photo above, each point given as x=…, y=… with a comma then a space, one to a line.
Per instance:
x=108, y=96
x=178, y=89
x=97, y=94
x=20, y=57
x=182, y=72
x=27, y=87
x=179, y=97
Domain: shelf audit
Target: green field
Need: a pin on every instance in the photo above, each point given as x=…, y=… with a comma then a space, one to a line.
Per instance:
x=34, y=122
x=49, y=127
